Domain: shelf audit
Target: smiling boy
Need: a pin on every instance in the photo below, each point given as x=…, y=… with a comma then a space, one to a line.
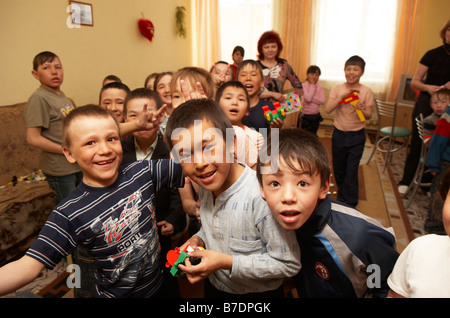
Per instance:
x=111, y=213
x=338, y=243
x=247, y=251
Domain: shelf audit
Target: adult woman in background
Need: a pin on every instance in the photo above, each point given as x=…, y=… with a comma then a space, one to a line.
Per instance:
x=275, y=69
x=432, y=73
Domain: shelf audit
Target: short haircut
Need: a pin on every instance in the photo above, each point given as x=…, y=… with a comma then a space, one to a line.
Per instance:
x=235, y=84
x=42, y=58
x=193, y=75
x=197, y=109
x=83, y=111
x=356, y=60
x=443, y=92
x=253, y=63
x=269, y=37
x=313, y=69
x=298, y=147
x=113, y=78
x=159, y=76
x=117, y=85
x=140, y=93
x=239, y=49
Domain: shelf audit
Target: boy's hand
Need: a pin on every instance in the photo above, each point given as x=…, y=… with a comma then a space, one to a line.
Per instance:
x=198, y=94
x=149, y=120
x=194, y=242
x=211, y=261
x=276, y=123
x=167, y=229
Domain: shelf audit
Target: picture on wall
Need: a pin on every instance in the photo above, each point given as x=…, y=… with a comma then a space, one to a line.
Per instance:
x=81, y=13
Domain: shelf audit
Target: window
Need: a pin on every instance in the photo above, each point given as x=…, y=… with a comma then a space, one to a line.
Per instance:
x=241, y=23
x=355, y=27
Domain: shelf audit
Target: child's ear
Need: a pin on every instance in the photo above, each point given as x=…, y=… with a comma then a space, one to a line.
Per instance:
x=35, y=74
x=324, y=190
x=68, y=154
x=263, y=195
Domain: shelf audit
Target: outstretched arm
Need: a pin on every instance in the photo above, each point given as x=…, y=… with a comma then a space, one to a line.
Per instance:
x=19, y=273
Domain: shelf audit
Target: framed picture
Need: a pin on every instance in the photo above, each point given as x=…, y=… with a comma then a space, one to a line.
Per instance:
x=81, y=13
x=406, y=94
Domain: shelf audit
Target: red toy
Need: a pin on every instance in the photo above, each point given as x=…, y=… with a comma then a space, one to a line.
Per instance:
x=271, y=115
x=353, y=98
x=175, y=257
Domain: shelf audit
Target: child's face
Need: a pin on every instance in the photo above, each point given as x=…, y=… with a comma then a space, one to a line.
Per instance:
x=134, y=111
x=292, y=196
x=353, y=73
x=439, y=104
x=95, y=146
x=237, y=58
x=163, y=89
x=312, y=78
x=50, y=74
x=446, y=214
x=234, y=103
x=204, y=157
x=251, y=78
x=178, y=96
x=221, y=73
x=112, y=99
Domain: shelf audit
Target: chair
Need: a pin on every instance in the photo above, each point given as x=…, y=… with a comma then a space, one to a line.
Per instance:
x=417, y=180
x=389, y=111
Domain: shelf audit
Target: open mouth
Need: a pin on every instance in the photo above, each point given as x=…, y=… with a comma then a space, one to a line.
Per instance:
x=290, y=216
x=207, y=177
x=105, y=163
x=234, y=111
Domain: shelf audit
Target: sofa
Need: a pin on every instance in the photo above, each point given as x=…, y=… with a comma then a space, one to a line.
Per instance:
x=26, y=200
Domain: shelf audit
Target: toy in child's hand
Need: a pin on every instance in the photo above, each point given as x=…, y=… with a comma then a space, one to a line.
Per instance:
x=353, y=98
x=293, y=103
x=175, y=257
x=271, y=115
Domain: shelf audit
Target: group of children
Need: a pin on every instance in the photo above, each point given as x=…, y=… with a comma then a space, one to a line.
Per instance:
x=261, y=222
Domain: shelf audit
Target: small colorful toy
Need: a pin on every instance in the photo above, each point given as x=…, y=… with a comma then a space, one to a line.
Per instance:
x=292, y=103
x=353, y=98
x=175, y=257
x=271, y=115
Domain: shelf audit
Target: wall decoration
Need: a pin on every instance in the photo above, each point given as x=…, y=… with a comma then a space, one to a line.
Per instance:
x=146, y=27
x=180, y=15
x=81, y=13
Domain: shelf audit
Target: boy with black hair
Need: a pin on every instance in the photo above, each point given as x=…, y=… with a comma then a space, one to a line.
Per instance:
x=247, y=252
x=340, y=246
x=349, y=136
x=111, y=213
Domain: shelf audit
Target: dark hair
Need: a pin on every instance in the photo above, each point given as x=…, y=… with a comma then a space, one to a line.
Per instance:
x=252, y=63
x=159, y=77
x=112, y=78
x=153, y=75
x=313, y=69
x=356, y=60
x=42, y=58
x=84, y=111
x=197, y=109
x=140, y=93
x=298, y=147
x=117, y=85
x=238, y=49
x=236, y=84
x=221, y=62
x=269, y=37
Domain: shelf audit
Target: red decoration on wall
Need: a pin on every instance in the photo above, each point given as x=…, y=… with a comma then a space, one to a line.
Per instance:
x=146, y=27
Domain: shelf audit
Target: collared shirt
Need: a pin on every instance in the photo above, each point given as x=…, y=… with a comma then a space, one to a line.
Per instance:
x=239, y=223
x=141, y=155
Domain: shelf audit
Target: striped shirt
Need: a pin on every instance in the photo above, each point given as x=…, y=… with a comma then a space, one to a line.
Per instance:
x=117, y=225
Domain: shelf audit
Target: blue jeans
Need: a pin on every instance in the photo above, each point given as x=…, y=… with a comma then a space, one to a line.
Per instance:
x=63, y=185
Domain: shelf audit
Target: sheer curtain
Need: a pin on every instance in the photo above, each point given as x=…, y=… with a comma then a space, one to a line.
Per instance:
x=205, y=32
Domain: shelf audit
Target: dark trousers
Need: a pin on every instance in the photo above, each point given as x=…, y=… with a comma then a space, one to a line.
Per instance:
x=311, y=122
x=213, y=292
x=347, y=149
x=422, y=106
